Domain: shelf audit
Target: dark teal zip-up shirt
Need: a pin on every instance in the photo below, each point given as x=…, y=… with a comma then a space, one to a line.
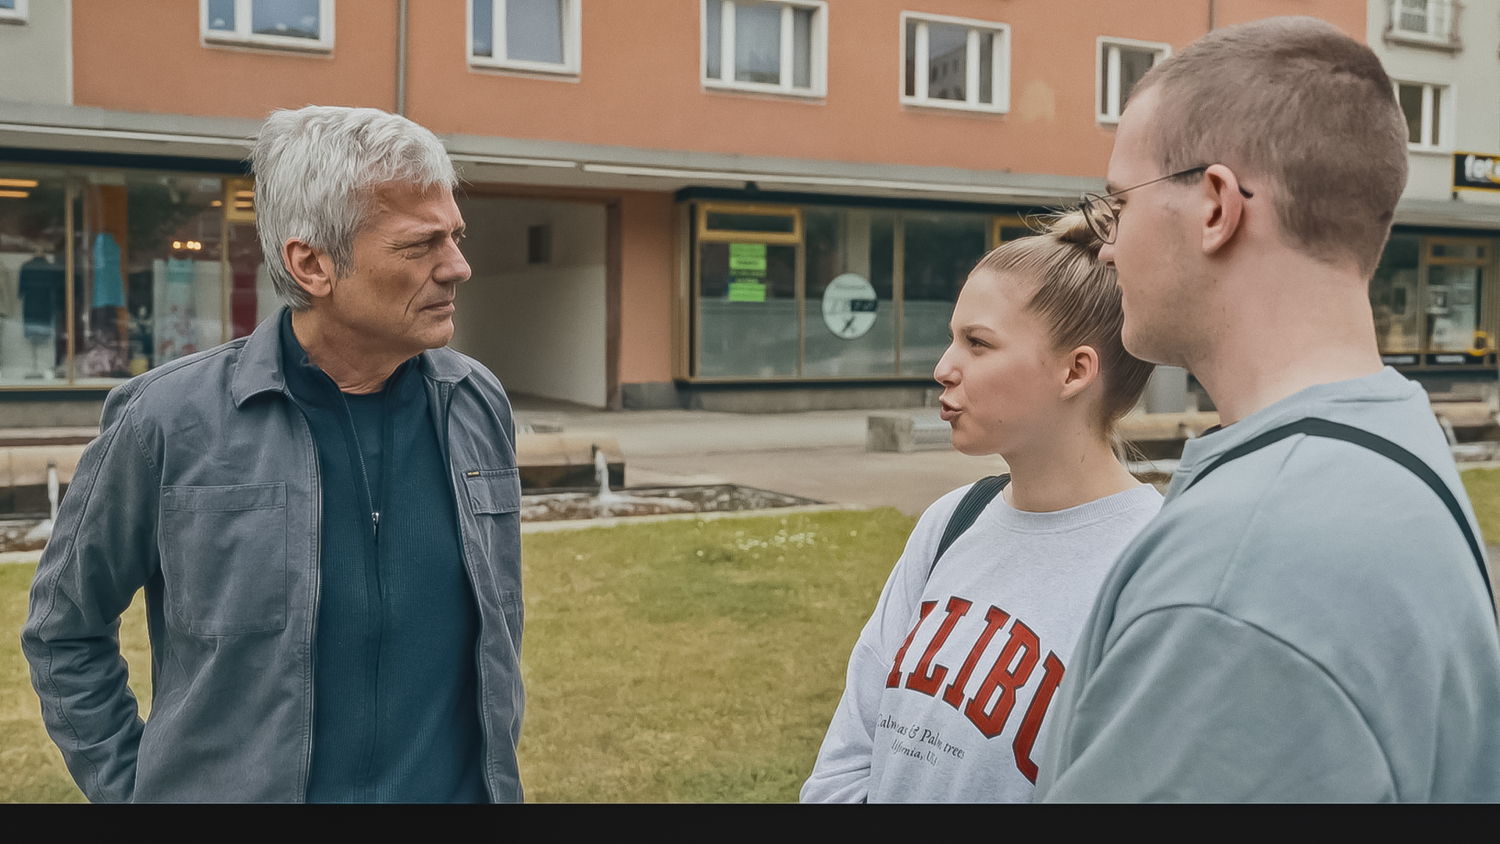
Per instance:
x=396, y=714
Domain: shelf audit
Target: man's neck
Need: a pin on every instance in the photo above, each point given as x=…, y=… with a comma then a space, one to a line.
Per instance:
x=340, y=353
x=1311, y=326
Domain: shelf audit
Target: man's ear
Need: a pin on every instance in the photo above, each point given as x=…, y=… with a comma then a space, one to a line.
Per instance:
x=312, y=269
x=1082, y=370
x=1223, y=207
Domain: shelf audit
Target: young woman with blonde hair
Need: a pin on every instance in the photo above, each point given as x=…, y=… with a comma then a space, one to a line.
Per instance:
x=950, y=680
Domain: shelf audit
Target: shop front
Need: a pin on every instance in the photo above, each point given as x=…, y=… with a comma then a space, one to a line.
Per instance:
x=823, y=301
x=107, y=272
x=1436, y=307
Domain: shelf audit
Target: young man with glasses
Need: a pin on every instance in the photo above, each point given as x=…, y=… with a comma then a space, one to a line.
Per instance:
x=1309, y=618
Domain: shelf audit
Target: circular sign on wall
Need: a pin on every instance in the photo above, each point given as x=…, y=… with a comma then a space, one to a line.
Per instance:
x=849, y=304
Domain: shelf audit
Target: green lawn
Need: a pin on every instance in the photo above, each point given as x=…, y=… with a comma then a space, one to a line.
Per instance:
x=669, y=661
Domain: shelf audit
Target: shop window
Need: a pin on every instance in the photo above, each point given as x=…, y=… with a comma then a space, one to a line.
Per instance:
x=292, y=24
x=787, y=292
x=848, y=320
x=956, y=63
x=535, y=35
x=938, y=250
x=774, y=46
x=107, y=274
x=1427, y=109
x=1394, y=296
x=13, y=11
x=33, y=278
x=1454, y=293
x=1429, y=301
x=1430, y=21
x=1122, y=63
x=747, y=291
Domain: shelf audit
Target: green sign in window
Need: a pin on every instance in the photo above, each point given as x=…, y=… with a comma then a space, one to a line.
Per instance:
x=747, y=257
x=747, y=290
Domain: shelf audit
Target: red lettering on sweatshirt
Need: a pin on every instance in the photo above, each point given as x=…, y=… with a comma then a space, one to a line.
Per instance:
x=893, y=679
x=1052, y=675
x=994, y=619
x=991, y=720
x=928, y=677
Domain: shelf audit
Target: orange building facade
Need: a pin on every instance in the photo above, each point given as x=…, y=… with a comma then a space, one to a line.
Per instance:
x=752, y=205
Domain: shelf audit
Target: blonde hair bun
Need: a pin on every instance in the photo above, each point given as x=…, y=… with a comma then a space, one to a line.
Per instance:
x=1073, y=227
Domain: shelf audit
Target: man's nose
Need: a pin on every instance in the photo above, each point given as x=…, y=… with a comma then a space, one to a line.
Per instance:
x=455, y=268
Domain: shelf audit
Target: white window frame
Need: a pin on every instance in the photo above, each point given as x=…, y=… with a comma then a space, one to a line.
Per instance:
x=1446, y=115
x=978, y=29
x=242, y=35
x=1440, y=20
x=572, y=41
x=16, y=15
x=1106, y=61
x=817, y=53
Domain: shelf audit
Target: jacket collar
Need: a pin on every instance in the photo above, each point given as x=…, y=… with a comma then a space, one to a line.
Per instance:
x=259, y=368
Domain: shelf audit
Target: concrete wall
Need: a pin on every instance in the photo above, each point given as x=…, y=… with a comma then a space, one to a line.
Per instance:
x=1474, y=85
x=35, y=57
x=540, y=328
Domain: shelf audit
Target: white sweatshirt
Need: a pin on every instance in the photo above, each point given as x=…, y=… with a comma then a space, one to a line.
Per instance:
x=950, y=680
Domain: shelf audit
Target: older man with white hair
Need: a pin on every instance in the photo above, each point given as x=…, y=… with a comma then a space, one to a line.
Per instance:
x=323, y=516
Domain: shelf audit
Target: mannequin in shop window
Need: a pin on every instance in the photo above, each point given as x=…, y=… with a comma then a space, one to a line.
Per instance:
x=176, y=333
x=106, y=351
x=40, y=290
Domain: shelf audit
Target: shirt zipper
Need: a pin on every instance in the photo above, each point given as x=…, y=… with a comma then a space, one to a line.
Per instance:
x=364, y=474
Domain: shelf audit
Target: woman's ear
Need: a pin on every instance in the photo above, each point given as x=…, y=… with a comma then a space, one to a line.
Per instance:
x=1082, y=370
x=310, y=268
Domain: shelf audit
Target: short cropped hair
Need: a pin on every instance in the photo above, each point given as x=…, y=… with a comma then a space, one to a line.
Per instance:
x=1294, y=100
x=315, y=169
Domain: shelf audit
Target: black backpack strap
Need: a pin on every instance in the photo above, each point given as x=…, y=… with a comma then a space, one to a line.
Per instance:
x=974, y=501
x=1315, y=427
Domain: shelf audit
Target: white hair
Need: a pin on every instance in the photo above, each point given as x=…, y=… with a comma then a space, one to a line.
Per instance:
x=314, y=170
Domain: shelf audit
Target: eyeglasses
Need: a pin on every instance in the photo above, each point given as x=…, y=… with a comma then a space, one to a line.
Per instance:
x=1103, y=215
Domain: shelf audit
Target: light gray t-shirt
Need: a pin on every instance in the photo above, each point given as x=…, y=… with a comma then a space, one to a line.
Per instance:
x=1307, y=623
x=952, y=676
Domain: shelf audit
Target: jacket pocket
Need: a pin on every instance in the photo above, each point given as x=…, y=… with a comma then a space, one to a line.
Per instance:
x=493, y=490
x=224, y=557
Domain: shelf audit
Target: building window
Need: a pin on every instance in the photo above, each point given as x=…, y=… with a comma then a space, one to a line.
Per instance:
x=1427, y=109
x=956, y=63
x=1122, y=63
x=775, y=46
x=535, y=35
x=1426, y=21
x=292, y=24
x=12, y=11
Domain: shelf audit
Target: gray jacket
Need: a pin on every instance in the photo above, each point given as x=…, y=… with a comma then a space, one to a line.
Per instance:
x=203, y=487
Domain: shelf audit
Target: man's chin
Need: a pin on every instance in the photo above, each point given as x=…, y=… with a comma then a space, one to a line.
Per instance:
x=1148, y=348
